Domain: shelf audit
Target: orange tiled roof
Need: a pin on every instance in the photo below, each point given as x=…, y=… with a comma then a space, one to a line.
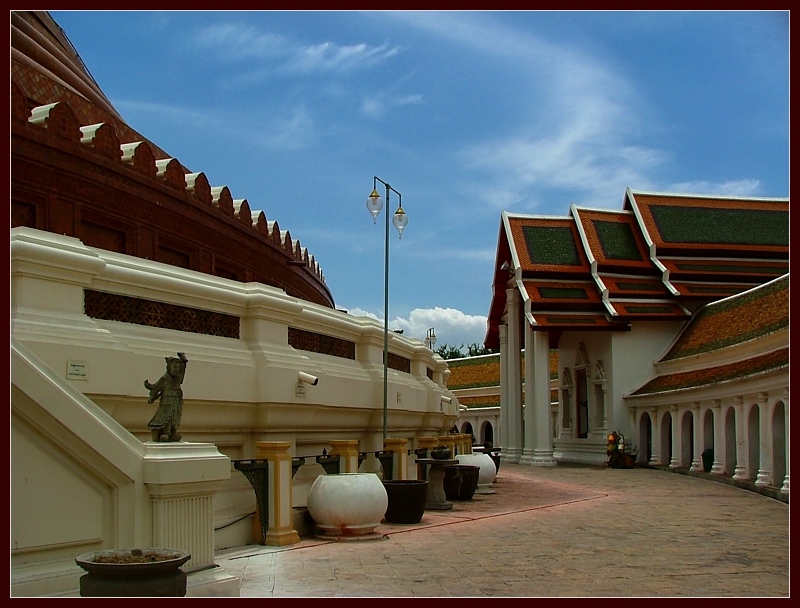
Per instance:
x=484, y=371
x=716, y=375
x=734, y=320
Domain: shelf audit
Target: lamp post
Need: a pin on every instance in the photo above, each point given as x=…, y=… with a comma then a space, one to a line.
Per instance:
x=430, y=339
x=375, y=204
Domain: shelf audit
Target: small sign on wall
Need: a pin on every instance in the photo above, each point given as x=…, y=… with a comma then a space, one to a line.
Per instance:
x=77, y=370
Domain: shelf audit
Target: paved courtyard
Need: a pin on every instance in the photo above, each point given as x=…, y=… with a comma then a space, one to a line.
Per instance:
x=565, y=531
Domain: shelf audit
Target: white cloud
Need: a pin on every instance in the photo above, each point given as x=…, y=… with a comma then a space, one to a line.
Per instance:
x=233, y=42
x=451, y=326
x=578, y=135
x=744, y=187
x=331, y=57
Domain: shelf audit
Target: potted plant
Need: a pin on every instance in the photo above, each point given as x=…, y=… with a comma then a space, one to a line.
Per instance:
x=461, y=481
x=406, y=500
x=149, y=572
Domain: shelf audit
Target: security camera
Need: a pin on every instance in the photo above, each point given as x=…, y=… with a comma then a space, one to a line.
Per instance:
x=307, y=378
x=446, y=399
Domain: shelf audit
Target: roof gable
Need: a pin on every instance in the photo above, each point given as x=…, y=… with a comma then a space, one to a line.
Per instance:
x=658, y=258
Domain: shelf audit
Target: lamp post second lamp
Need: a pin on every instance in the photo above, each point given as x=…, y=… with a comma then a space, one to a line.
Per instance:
x=375, y=204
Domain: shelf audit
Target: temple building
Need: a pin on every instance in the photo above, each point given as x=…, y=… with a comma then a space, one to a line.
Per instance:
x=666, y=322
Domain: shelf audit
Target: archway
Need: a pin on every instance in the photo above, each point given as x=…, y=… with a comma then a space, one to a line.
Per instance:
x=687, y=440
x=708, y=446
x=487, y=432
x=466, y=429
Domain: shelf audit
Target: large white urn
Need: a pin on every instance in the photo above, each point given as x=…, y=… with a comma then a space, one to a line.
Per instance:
x=487, y=472
x=347, y=505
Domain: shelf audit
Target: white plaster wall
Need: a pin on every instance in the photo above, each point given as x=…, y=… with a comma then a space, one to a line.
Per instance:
x=236, y=391
x=628, y=359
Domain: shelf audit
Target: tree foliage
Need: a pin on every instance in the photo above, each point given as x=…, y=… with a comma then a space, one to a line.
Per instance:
x=447, y=351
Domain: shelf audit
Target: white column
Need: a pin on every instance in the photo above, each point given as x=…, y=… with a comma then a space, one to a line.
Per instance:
x=697, y=463
x=655, y=434
x=740, y=470
x=539, y=437
x=720, y=453
x=675, y=457
x=785, y=485
x=764, y=475
x=515, y=440
x=505, y=412
x=529, y=410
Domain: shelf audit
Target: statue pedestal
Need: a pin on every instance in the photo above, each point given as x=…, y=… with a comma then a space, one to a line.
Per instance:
x=437, y=500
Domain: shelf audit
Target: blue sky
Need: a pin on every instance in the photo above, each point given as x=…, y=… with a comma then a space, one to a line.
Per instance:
x=466, y=114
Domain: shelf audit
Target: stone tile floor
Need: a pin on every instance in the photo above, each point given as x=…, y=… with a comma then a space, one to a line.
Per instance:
x=564, y=531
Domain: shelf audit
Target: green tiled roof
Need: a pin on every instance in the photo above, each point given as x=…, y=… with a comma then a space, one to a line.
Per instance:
x=617, y=240
x=652, y=308
x=755, y=313
x=565, y=293
x=640, y=287
x=713, y=289
x=691, y=265
x=714, y=225
x=551, y=245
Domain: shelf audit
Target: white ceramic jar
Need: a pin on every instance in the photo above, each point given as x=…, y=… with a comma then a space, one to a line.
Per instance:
x=487, y=473
x=347, y=505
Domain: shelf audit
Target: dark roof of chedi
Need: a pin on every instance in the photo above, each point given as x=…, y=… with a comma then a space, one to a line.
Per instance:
x=660, y=257
x=53, y=91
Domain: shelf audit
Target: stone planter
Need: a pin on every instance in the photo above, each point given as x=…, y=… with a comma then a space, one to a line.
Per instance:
x=347, y=505
x=406, y=500
x=460, y=481
x=149, y=572
x=488, y=471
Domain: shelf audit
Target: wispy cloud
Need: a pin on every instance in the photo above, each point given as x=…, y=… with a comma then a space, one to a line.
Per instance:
x=745, y=187
x=233, y=42
x=584, y=133
x=330, y=57
x=376, y=106
x=292, y=131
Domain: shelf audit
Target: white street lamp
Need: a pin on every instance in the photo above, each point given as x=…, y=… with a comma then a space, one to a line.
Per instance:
x=430, y=339
x=374, y=205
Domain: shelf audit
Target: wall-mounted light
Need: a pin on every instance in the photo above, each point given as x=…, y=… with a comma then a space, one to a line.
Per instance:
x=307, y=378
